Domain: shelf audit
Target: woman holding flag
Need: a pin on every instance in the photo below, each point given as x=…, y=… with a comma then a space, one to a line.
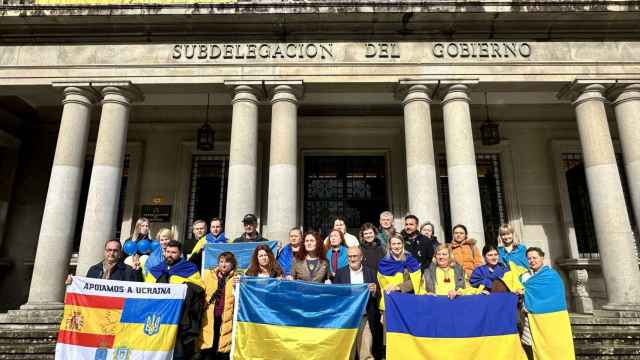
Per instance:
x=310, y=263
x=546, y=330
x=512, y=253
x=445, y=277
x=398, y=270
x=490, y=274
x=215, y=338
x=264, y=264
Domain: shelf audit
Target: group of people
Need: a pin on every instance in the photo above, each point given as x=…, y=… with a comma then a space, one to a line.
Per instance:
x=412, y=260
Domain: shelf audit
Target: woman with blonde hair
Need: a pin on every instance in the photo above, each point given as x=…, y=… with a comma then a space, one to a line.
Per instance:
x=163, y=236
x=510, y=250
x=138, y=246
x=398, y=270
x=445, y=277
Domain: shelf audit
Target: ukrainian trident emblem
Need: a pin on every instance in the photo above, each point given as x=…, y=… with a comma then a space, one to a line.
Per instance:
x=152, y=324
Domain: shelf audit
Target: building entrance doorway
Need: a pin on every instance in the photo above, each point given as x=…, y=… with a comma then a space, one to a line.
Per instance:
x=208, y=191
x=354, y=187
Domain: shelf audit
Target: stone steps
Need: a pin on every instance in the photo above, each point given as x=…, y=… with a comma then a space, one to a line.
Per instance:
x=607, y=335
x=595, y=337
x=26, y=337
x=30, y=357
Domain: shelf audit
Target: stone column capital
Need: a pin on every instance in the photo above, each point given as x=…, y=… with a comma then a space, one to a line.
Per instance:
x=456, y=91
x=624, y=91
x=582, y=90
x=415, y=90
x=118, y=92
x=291, y=91
x=78, y=93
x=247, y=91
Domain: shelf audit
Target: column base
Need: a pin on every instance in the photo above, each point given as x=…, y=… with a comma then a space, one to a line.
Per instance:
x=45, y=305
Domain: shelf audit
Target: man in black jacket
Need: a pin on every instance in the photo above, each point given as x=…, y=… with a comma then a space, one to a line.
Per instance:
x=416, y=243
x=369, y=339
x=111, y=268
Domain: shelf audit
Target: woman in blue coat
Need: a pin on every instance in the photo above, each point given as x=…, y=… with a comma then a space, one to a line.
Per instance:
x=336, y=252
x=490, y=274
x=511, y=251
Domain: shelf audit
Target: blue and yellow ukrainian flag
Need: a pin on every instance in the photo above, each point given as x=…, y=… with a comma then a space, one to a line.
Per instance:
x=281, y=319
x=242, y=252
x=391, y=271
x=468, y=327
x=179, y=273
x=544, y=299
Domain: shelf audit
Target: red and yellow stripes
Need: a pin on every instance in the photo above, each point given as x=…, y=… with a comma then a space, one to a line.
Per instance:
x=90, y=320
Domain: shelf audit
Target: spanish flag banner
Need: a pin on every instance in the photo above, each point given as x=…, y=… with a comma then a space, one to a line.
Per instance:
x=242, y=252
x=282, y=319
x=468, y=327
x=105, y=319
x=544, y=299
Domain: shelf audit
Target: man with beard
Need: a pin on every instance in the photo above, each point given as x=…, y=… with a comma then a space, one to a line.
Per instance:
x=416, y=243
x=176, y=270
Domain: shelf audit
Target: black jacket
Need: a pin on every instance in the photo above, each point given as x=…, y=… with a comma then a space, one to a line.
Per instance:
x=372, y=255
x=242, y=238
x=420, y=247
x=343, y=276
x=190, y=322
x=120, y=271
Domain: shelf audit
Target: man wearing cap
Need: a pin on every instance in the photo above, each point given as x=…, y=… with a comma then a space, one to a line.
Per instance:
x=251, y=233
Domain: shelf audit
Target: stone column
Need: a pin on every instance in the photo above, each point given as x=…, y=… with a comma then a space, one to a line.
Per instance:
x=610, y=218
x=61, y=206
x=422, y=182
x=106, y=174
x=464, y=193
x=283, y=161
x=243, y=158
x=627, y=109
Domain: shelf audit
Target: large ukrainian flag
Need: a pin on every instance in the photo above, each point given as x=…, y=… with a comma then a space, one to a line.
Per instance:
x=281, y=319
x=544, y=299
x=242, y=252
x=468, y=327
x=105, y=319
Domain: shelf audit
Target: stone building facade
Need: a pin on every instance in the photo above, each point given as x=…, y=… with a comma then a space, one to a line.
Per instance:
x=321, y=109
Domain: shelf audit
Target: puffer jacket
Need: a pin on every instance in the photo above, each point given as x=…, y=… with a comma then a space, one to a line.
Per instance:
x=210, y=280
x=467, y=255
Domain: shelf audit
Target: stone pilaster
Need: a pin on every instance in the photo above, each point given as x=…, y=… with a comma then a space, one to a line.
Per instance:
x=610, y=218
x=61, y=207
x=464, y=193
x=283, y=160
x=422, y=182
x=106, y=174
x=243, y=156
